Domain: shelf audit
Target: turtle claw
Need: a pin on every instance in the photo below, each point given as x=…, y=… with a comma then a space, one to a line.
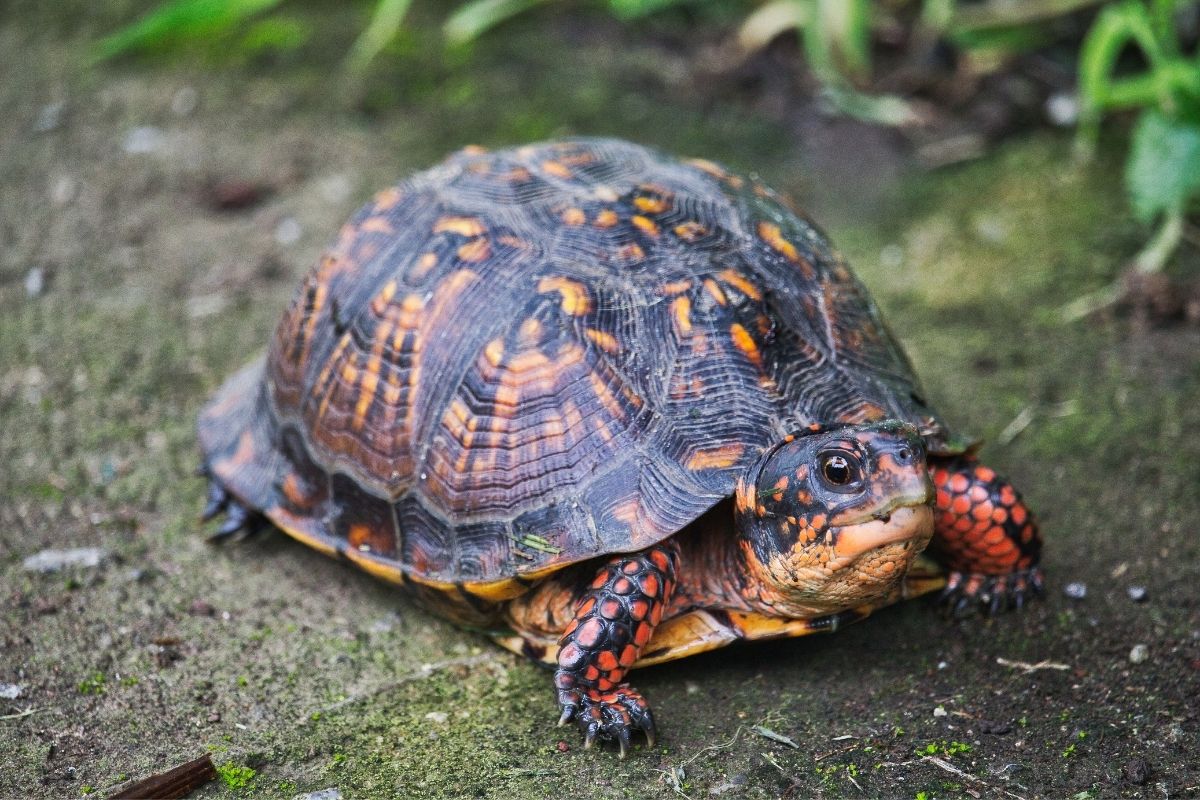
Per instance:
x=238, y=518
x=609, y=716
x=966, y=592
x=216, y=501
x=647, y=725
x=623, y=737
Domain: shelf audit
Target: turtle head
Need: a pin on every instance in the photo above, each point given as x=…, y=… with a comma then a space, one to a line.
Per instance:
x=832, y=517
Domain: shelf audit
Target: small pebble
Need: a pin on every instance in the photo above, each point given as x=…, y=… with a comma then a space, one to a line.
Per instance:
x=691, y=687
x=331, y=793
x=63, y=190
x=1139, y=653
x=49, y=117
x=11, y=691
x=727, y=786
x=1062, y=109
x=891, y=256
x=1075, y=590
x=1137, y=594
x=35, y=282
x=940, y=711
x=991, y=229
x=214, y=717
x=144, y=139
x=184, y=101
x=562, y=746
x=140, y=575
x=943, y=664
x=994, y=728
x=288, y=231
x=56, y=560
x=439, y=717
x=335, y=188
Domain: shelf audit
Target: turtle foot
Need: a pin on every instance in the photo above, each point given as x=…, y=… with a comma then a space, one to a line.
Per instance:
x=608, y=716
x=240, y=521
x=968, y=592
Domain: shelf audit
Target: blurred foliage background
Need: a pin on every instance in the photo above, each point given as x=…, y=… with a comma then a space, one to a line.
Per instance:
x=880, y=61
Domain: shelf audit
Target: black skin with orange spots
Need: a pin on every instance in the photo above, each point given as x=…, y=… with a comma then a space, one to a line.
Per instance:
x=814, y=479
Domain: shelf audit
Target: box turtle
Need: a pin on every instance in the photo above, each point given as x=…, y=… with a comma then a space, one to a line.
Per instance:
x=616, y=408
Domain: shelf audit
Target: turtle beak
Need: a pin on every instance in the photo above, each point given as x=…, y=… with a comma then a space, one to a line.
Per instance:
x=904, y=524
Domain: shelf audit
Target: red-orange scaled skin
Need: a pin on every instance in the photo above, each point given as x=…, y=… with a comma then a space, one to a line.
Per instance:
x=984, y=534
x=614, y=620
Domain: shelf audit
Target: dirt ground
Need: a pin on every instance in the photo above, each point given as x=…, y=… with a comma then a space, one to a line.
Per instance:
x=129, y=288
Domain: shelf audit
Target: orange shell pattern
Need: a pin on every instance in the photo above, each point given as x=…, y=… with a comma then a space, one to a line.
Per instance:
x=523, y=359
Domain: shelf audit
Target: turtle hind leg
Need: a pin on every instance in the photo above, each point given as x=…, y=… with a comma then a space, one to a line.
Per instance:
x=986, y=537
x=240, y=521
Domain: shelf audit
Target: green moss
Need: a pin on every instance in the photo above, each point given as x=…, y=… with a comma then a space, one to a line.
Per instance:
x=236, y=777
x=94, y=684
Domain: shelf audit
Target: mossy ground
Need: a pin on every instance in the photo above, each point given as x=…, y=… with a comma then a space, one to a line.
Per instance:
x=312, y=675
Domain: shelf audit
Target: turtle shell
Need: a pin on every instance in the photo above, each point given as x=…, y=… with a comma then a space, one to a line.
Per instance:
x=519, y=360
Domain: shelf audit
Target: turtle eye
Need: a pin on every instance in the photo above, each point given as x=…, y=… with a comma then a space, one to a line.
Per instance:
x=840, y=471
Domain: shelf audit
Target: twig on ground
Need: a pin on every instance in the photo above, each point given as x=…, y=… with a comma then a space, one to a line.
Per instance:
x=1028, y=667
x=1014, y=428
x=178, y=782
x=767, y=733
x=21, y=714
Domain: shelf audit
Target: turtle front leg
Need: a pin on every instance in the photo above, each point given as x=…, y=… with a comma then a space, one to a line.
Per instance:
x=985, y=535
x=614, y=619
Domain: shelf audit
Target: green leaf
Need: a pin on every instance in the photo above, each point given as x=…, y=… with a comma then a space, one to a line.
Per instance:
x=1163, y=171
x=384, y=25
x=278, y=34
x=882, y=109
x=1115, y=28
x=772, y=19
x=837, y=40
x=635, y=9
x=179, y=20
x=471, y=20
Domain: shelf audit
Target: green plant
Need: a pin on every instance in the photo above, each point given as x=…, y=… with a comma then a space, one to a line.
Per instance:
x=93, y=684
x=1162, y=172
x=836, y=38
x=948, y=749
x=251, y=27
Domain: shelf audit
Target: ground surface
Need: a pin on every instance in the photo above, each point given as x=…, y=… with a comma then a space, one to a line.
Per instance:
x=314, y=676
